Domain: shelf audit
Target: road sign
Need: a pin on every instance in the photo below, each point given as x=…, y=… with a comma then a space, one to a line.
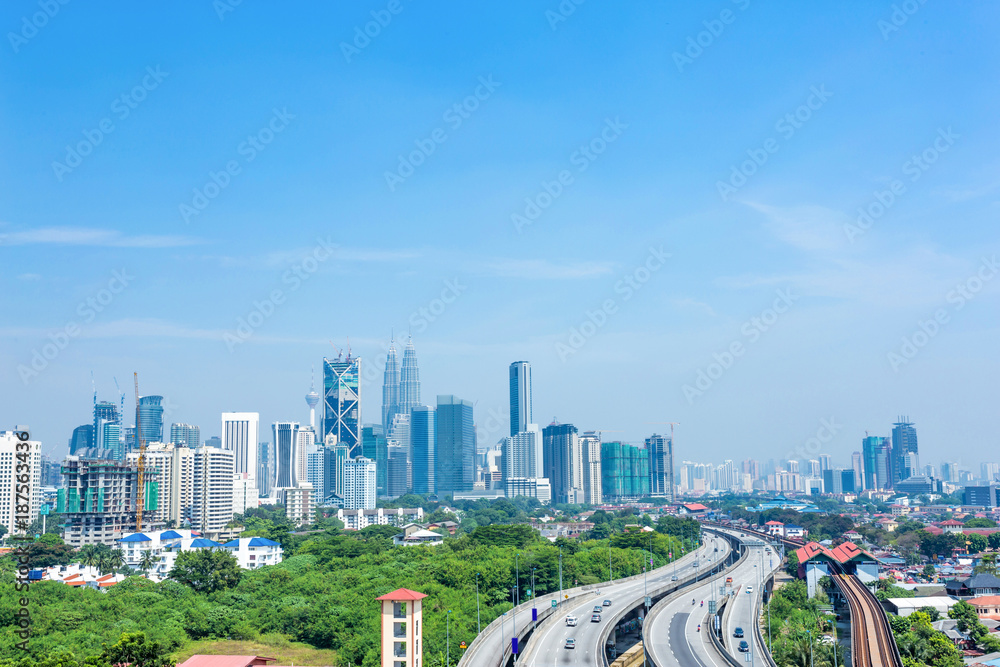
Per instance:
x=463, y=645
x=554, y=603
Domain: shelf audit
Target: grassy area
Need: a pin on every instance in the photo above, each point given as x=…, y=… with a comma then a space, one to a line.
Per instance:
x=271, y=646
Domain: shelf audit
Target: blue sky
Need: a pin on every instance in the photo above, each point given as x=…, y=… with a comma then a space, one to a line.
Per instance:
x=641, y=126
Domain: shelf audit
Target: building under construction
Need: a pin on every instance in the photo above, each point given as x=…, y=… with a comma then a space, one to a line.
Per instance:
x=98, y=500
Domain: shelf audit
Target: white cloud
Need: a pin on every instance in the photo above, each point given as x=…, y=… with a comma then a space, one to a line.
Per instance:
x=82, y=236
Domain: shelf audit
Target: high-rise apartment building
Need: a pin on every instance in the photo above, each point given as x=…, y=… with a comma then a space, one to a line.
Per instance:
x=286, y=440
x=624, y=470
x=240, y=431
x=342, y=401
x=400, y=435
x=390, y=388
x=904, y=441
x=106, y=434
x=422, y=449
x=20, y=481
x=316, y=471
x=590, y=453
x=185, y=435
x=149, y=419
x=563, y=462
x=212, y=496
x=520, y=397
x=521, y=454
x=173, y=466
x=661, y=466
x=989, y=472
x=825, y=462
x=858, y=465
x=306, y=442
x=339, y=455
x=454, y=447
x=359, y=484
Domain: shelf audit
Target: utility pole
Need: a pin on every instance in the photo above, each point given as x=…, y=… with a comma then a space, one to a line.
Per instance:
x=479, y=627
x=448, y=640
x=560, y=577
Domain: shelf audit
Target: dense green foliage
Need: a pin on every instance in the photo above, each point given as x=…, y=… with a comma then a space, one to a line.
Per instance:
x=968, y=621
x=796, y=625
x=325, y=593
x=131, y=649
x=921, y=645
x=207, y=570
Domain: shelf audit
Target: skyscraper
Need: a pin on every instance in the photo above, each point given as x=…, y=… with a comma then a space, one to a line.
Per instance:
x=359, y=484
x=409, y=380
x=661, y=466
x=521, y=454
x=390, y=387
x=374, y=446
x=149, y=419
x=212, y=495
x=520, y=396
x=871, y=446
x=105, y=413
x=265, y=468
x=20, y=481
x=342, y=401
x=185, y=435
x=398, y=467
x=239, y=435
x=563, y=462
x=286, y=439
x=81, y=440
x=455, y=446
x=422, y=449
x=590, y=452
x=625, y=471
x=904, y=441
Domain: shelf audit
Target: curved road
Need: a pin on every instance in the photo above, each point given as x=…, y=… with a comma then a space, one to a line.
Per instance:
x=548, y=645
x=672, y=635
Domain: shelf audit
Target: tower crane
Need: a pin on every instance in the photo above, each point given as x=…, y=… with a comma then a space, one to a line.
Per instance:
x=141, y=493
x=672, y=424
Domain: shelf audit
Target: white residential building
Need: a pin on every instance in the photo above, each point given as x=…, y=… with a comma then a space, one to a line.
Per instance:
x=359, y=484
x=212, y=499
x=299, y=502
x=245, y=494
x=305, y=445
x=254, y=552
x=29, y=458
x=529, y=487
x=400, y=516
x=239, y=435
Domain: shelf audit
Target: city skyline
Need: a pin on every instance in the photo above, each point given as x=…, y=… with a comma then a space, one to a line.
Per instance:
x=787, y=208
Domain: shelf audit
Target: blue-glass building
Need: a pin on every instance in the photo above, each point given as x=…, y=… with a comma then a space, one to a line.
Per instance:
x=342, y=402
x=149, y=419
x=422, y=448
x=455, y=448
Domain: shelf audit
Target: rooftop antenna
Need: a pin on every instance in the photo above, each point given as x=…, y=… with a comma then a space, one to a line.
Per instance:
x=94, y=385
x=348, y=348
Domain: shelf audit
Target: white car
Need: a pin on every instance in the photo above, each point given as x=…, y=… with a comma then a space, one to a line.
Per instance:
x=749, y=590
x=571, y=620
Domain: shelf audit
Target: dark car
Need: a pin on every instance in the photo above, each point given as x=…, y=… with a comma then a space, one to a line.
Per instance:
x=744, y=647
x=607, y=603
x=596, y=618
x=738, y=632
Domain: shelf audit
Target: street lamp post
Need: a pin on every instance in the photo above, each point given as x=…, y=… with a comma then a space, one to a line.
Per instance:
x=448, y=638
x=534, y=593
x=560, y=577
x=479, y=627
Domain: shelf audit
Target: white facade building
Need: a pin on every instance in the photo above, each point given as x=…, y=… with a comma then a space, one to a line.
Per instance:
x=359, y=484
x=14, y=463
x=245, y=493
x=239, y=435
x=254, y=552
x=305, y=445
x=400, y=516
x=299, y=502
x=212, y=498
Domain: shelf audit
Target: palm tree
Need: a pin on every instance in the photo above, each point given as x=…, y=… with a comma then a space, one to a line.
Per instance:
x=147, y=561
x=102, y=563
x=88, y=555
x=116, y=559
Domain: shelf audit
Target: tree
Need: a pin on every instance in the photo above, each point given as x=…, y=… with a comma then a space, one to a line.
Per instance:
x=206, y=570
x=147, y=561
x=965, y=614
x=929, y=571
x=979, y=522
x=48, y=550
x=133, y=649
x=994, y=540
x=792, y=566
x=977, y=542
x=988, y=565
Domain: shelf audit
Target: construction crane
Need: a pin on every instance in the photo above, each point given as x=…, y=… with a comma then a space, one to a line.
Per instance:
x=121, y=399
x=94, y=386
x=141, y=494
x=672, y=424
x=339, y=353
